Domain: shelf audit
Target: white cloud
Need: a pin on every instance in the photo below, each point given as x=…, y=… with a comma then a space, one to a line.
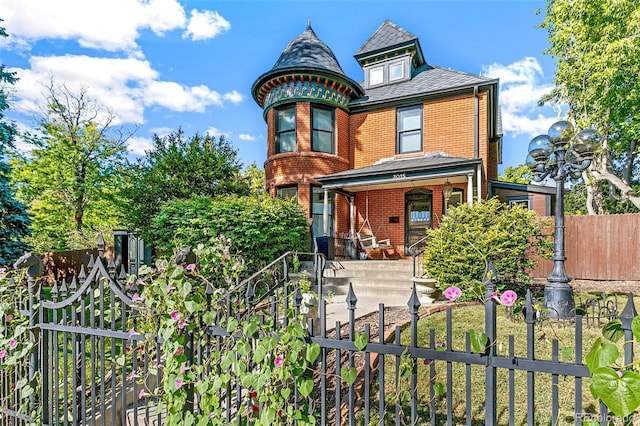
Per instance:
x=520, y=90
x=246, y=137
x=126, y=86
x=138, y=146
x=205, y=25
x=215, y=132
x=112, y=25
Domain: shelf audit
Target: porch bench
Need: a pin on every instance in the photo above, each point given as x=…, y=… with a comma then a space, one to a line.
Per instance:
x=370, y=242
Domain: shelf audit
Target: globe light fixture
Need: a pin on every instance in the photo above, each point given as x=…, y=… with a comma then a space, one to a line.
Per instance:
x=559, y=154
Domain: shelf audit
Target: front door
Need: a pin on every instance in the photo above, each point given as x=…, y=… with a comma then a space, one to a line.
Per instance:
x=418, y=215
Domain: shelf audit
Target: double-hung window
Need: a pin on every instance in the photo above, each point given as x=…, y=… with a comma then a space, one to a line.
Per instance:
x=286, y=129
x=290, y=192
x=323, y=123
x=409, y=128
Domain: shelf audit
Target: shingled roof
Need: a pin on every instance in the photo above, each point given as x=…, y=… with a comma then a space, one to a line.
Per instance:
x=425, y=80
x=308, y=51
x=389, y=36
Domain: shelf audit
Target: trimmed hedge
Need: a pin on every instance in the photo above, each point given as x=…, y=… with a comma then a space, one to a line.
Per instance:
x=260, y=228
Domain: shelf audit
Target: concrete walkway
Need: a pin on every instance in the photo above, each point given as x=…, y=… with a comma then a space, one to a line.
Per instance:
x=337, y=307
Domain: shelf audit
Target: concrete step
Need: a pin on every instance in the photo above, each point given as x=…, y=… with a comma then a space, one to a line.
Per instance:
x=405, y=266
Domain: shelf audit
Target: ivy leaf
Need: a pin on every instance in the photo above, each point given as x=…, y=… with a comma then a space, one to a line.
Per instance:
x=232, y=325
x=438, y=388
x=259, y=353
x=349, y=375
x=268, y=416
x=191, y=306
x=620, y=394
x=635, y=327
x=285, y=392
x=613, y=330
x=313, y=352
x=601, y=355
x=361, y=341
x=479, y=340
x=566, y=352
x=305, y=386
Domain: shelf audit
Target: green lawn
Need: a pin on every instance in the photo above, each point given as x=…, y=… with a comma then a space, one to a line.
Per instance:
x=465, y=319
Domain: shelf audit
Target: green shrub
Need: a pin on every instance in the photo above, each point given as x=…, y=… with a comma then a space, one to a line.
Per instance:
x=260, y=228
x=469, y=238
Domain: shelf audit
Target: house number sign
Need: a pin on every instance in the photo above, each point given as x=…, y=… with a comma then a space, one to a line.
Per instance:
x=399, y=176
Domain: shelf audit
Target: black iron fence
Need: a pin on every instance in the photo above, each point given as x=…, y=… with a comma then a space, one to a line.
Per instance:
x=87, y=357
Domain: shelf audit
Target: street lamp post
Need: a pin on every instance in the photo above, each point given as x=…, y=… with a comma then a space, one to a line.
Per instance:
x=555, y=156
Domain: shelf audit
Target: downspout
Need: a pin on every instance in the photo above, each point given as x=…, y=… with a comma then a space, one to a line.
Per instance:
x=476, y=139
x=476, y=127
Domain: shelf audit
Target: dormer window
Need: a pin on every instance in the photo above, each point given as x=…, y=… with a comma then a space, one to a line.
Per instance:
x=396, y=71
x=386, y=72
x=376, y=76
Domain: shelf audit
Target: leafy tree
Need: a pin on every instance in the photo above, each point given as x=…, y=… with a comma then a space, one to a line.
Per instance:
x=255, y=179
x=71, y=179
x=517, y=174
x=14, y=221
x=595, y=45
x=261, y=228
x=180, y=168
x=457, y=253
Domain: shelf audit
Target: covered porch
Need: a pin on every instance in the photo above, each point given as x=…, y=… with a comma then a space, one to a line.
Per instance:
x=395, y=200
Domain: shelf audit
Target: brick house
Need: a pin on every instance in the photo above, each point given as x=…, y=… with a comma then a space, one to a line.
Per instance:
x=385, y=157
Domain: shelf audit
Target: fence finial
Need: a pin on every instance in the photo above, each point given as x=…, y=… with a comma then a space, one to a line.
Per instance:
x=250, y=294
x=628, y=313
x=351, y=298
x=529, y=312
x=490, y=278
x=100, y=245
x=414, y=301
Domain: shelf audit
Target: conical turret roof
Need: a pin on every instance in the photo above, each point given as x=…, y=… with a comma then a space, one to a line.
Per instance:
x=307, y=51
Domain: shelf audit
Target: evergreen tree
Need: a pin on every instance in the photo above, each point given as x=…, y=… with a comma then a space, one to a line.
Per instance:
x=14, y=221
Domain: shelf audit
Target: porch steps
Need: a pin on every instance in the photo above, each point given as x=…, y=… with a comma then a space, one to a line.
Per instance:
x=369, y=278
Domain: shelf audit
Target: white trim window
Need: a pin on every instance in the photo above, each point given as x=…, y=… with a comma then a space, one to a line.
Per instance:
x=409, y=128
x=286, y=129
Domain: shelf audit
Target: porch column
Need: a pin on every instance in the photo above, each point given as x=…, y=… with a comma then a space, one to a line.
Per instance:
x=325, y=213
x=470, y=189
x=352, y=216
x=479, y=182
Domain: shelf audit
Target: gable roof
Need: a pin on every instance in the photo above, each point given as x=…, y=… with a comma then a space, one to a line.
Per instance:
x=389, y=36
x=427, y=79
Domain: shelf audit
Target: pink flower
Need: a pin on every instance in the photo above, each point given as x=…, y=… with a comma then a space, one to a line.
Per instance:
x=8, y=318
x=190, y=267
x=183, y=368
x=178, y=383
x=142, y=393
x=136, y=298
x=508, y=297
x=452, y=293
x=279, y=361
x=2, y=271
x=179, y=350
x=181, y=324
x=169, y=288
x=3, y=353
x=132, y=332
x=175, y=315
x=13, y=344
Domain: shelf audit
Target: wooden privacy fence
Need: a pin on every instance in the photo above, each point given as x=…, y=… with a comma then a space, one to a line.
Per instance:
x=85, y=356
x=600, y=248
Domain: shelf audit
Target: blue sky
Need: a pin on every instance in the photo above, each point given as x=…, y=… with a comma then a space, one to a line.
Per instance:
x=164, y=64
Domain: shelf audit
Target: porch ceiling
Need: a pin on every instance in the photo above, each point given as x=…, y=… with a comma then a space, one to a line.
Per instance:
x=400, y=173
